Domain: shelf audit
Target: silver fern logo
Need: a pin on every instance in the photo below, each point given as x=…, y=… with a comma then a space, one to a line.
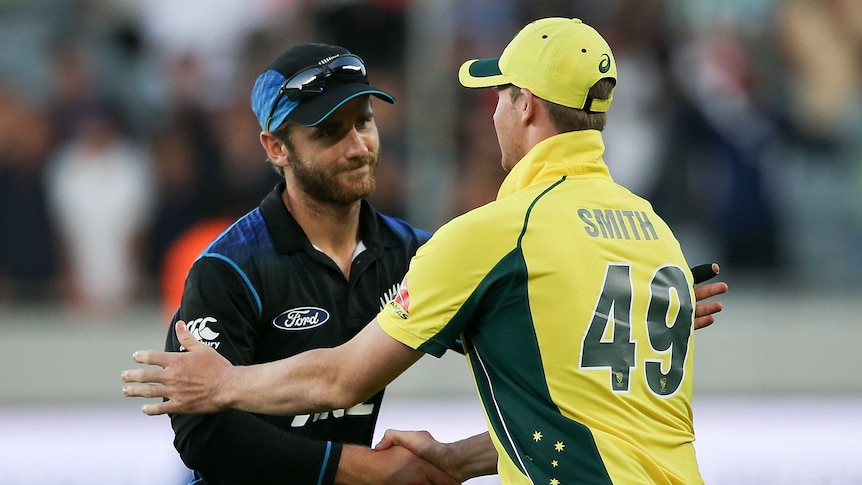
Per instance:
x=388, y=296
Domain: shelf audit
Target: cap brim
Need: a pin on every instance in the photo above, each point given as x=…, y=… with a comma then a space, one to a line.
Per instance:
x=314, y=110
x=481, y=73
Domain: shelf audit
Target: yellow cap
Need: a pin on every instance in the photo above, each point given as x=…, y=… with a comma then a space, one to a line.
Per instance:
x=557, y=59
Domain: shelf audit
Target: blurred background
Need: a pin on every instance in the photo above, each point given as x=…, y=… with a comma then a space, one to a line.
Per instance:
x=126, y=135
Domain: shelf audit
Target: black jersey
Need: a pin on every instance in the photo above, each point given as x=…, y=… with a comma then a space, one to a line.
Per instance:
x=261, y=292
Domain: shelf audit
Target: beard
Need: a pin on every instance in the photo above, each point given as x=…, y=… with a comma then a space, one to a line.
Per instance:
x=331, y=184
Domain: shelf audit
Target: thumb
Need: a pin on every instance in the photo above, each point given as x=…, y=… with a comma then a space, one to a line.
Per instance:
x=185, y=337
x=412, y=440
x=387, y=441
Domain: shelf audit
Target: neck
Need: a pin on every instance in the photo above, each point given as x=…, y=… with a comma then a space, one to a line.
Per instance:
x=332, y=228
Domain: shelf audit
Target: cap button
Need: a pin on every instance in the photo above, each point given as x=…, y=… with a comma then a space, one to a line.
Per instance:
x=577, y=21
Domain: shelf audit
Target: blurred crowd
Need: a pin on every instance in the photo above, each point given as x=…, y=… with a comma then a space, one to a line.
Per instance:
x=124, y=125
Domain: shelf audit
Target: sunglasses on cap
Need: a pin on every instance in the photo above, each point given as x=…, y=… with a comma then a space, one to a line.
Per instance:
x=312, y=80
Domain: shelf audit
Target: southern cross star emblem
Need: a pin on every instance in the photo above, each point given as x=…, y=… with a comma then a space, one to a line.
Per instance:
x=558, y=447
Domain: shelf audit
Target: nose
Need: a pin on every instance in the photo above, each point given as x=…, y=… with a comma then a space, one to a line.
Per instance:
x=356, y=144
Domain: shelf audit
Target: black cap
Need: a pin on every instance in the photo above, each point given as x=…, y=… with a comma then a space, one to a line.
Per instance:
x=315, y=108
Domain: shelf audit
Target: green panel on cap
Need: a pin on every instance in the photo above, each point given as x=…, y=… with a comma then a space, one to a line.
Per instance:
x=485, y=68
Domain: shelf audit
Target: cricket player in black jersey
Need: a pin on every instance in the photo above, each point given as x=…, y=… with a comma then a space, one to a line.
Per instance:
x=307, y=269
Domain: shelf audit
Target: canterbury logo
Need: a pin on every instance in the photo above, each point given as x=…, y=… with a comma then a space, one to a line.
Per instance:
x=605, y=64
x=200, y=329
x=326, y=60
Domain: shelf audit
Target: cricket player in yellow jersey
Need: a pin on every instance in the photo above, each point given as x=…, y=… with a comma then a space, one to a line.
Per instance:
x=572, y=297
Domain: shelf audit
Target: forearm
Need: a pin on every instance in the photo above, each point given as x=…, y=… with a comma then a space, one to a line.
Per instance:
x=473, y=457
x=306, y=383
x=238, y=447
x=320, y=379
x=202, y=381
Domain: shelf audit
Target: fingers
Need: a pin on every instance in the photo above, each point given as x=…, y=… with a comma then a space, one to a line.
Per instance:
x=145, y=390
x=152, y=357
x=144, y=376
x=162, y=359
x=385, y=443
x=152, y=391
x=707, y=291
x=149, y=391
x=156, y=409
x=418, y=442
x=704, y=314
x=185, y=337
x=428, y=471
x=708, y=308
x=704, y=272
x=703, y=322
x=151, y=380
x=163, y=383
x=394, y=437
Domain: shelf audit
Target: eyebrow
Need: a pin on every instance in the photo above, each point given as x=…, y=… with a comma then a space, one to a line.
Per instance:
x=327, y=125
x=366, y=112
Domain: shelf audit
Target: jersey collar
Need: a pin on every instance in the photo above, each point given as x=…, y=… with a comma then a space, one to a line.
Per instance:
x=576, y=153
x=288, y=236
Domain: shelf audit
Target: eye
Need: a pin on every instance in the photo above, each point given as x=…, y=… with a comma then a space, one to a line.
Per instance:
x=327, y=133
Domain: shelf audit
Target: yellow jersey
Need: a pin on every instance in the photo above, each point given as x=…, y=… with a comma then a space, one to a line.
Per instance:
x=575, y=305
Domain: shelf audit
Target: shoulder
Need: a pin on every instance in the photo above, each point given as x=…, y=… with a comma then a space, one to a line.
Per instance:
x=402, y=230
x=245, y=246
x=492, y=218
x=246, y=237
x=485, y=232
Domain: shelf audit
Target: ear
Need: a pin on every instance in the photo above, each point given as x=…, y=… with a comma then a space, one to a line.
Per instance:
x=276, y=150
x=527, y=106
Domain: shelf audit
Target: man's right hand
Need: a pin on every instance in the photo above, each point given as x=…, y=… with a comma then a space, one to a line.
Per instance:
x=188, y=380
x=464, y=459
x=395, y=465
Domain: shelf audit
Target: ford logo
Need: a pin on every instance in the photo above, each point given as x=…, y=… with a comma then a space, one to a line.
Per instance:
x=301, y=318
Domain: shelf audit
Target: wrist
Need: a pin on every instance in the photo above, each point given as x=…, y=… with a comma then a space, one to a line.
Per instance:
x=457, y=464
x=353, y=465
x=471, y=457
x=226, y=395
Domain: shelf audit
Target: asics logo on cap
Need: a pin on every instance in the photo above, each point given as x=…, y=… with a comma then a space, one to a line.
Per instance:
x=605, y=64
